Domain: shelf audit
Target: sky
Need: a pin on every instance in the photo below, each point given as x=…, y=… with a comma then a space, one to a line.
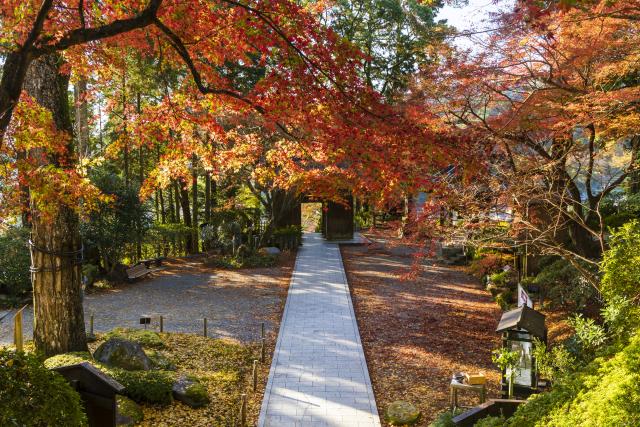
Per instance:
x=471, y=17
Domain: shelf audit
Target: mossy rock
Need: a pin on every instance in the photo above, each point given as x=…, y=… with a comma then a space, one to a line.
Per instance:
x=129, y=413
x=401, y=413
x=159, y=360
x=143, y=337
x=190, y=391
x=121, y=353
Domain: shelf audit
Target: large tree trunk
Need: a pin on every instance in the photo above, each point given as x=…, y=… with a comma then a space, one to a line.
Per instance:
x=194, y=195
x=176, y=191
x=186, y=215
x=55, y=249
x=127, y=176
x=207, y=197
x=82, y=117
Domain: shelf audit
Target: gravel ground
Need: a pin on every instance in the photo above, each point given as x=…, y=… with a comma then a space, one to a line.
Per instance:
x=184, y=292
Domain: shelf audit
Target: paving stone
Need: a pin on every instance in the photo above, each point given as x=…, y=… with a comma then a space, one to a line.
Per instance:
x=319, y=375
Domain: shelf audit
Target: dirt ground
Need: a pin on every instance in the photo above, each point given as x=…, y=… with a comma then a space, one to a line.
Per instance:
x=417, y=333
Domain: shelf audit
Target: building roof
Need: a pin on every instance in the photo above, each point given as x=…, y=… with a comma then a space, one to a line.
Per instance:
x=524, y=318
x=91, y=379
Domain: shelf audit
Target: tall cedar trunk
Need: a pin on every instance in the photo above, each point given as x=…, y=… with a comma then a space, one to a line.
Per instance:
x=141, y=179
x=156, y=203
x=124, y=129
x=82, y=117
x=172, y=210
x=57, y=296
x=207, y=197
x=194, y=195
x=176, y=192
x=163, y=218
x=186, y=215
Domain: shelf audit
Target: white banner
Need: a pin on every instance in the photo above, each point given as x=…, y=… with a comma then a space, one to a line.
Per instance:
x=523, y=298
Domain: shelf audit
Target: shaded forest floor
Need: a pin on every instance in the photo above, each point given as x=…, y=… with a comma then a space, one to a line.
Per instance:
x=417, y=333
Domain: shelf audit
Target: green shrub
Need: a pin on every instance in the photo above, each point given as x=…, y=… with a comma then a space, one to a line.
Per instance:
x=286, y=238
x=32, y=395
x=621, y=316
x=562, y=284
x=604, y=393
x=621, y=263
x=501, y=279
x=504, y=299
x=553, y=364
x=589, y=337
x=113, y=226
x=90, y=273
x=145, y=386
x=68, y=359
x=15, y=261
x=490, y=422
x=144, y=337
x=507, y=361
x=255, y=260
x=445, y=419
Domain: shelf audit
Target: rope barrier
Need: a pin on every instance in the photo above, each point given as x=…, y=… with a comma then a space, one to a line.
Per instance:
x=78, y=256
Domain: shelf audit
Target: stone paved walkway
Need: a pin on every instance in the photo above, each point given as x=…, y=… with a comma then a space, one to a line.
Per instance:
x=319, y=375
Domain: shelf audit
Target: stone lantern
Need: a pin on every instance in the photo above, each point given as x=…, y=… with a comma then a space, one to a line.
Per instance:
x=518, y=328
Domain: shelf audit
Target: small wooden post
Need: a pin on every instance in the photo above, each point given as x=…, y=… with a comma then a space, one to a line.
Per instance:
x=91, y=325
x=262, y=343
x=17, y=330
x=243, y=410
x=205, y=326
x=255, y=375
x=161, y=324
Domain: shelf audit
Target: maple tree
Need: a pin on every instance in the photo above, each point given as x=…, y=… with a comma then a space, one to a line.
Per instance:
x=271, y=61
x=551, y=102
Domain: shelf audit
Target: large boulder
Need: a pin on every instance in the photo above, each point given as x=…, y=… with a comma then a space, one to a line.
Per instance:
x=190, y=391
x=121, y=353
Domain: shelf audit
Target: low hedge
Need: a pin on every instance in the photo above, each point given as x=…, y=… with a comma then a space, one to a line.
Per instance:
x=32, y=395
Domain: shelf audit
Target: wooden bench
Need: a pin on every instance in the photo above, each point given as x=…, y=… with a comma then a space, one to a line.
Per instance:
x=139, y=270
x=157, y=262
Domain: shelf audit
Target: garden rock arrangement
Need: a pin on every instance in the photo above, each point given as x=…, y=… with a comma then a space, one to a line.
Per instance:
x=183, y=372
x=120, y=353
